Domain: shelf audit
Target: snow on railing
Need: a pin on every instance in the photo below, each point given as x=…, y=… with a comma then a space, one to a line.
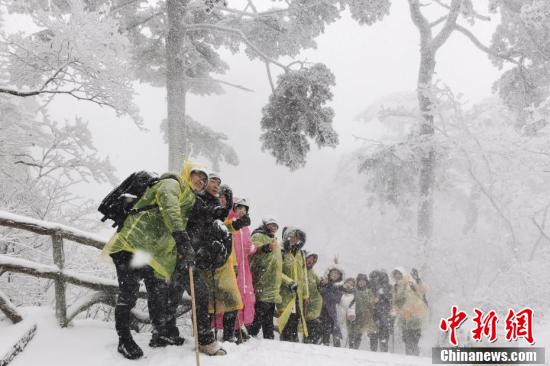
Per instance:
x=106, y=289
x=51, y=228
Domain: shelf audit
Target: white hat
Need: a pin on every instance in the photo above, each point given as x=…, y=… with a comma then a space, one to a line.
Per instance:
x=241, y=202
x=199, y=169
x=214, y=175
x=269, y=220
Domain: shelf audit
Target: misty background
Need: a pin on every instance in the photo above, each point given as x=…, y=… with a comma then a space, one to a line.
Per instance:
x=369, y=63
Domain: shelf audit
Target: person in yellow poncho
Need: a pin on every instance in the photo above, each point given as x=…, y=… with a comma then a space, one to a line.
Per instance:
x=266, y=266
x=410, y=307
x=211, y=241
x=146, y=248
x=224, y=296
x=315, y=302
x=294, y=288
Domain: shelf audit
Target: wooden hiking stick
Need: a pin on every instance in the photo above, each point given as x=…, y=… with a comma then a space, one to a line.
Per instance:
x=194, y=311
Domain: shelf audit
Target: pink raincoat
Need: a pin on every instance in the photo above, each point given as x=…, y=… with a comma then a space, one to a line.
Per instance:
x=242, y=248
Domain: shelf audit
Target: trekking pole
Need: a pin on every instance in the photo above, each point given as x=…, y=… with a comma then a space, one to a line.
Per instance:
x=194, y=312
x=215, y=300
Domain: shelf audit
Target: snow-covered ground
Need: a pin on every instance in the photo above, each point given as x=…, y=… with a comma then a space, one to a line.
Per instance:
x=91, y=342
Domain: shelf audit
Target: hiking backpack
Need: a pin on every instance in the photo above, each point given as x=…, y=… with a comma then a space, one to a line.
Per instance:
x=119, y=203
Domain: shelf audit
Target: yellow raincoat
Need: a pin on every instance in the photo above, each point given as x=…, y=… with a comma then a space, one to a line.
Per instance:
x=151, y=230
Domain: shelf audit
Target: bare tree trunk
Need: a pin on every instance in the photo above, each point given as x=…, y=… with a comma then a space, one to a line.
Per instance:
x=175, y=83
x=429, y=45
x=427, y=176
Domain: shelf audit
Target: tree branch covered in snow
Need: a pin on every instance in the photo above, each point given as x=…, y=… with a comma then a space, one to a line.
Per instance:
x=205, y=142
x=70, y=55
x=482, y=47
x=240, y=34
x=297, y=111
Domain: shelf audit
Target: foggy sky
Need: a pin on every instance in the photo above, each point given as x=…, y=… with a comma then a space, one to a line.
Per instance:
x=368, y=62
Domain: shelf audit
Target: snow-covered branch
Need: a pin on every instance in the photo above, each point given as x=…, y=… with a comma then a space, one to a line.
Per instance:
x=85, y=302
x=543, y=234
x=449, y=25
x=438, y=21
x=9, y=309
x=240, y=34
x=481, y=46
x=472, y=12
x=42, y=89
x=270, y=77
x=223, y=82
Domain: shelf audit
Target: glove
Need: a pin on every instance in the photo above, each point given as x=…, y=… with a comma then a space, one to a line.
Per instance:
x=241, y=222
x=268, y=248
x=293, y=286
x=218, y=253
x=185, y=252
x=226, y=191
x=220, y=213
x=219, y=231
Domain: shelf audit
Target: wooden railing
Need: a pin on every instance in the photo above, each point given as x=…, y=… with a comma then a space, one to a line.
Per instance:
x=105, y=289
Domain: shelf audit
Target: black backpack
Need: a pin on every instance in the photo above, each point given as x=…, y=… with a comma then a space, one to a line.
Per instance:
x=119, y=203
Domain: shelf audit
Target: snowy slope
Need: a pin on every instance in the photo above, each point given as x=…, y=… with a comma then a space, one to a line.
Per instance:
x=90, y=342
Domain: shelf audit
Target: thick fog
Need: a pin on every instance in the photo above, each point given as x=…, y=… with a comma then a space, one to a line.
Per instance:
x=369, y=64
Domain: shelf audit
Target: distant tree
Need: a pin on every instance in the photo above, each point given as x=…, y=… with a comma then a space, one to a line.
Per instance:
x=506, y=47
x=523, y=36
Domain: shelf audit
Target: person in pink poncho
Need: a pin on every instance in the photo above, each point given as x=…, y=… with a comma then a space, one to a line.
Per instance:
x=238, y=221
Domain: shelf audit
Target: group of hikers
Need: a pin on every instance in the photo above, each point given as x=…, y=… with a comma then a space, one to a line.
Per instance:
x=367, y=305
x=188, y=233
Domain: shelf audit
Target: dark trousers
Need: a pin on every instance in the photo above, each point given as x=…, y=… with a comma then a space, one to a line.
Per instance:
x=128, y=283
x=290, y=333
x=229, y=319
x=178, y=285
x=355, y=340
x=379, y=338
x=263, y=319
x=329, y=328
x=314, y=332
x=411, y=337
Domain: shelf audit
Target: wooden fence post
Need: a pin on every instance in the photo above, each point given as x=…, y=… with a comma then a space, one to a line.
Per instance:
x=60, y=297
x=9, y=309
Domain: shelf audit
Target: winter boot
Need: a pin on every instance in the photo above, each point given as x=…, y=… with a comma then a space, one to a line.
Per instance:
x=244, y=333
x=229, y=327
x=212, y=349
x=129, y=349
x=160, y=340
